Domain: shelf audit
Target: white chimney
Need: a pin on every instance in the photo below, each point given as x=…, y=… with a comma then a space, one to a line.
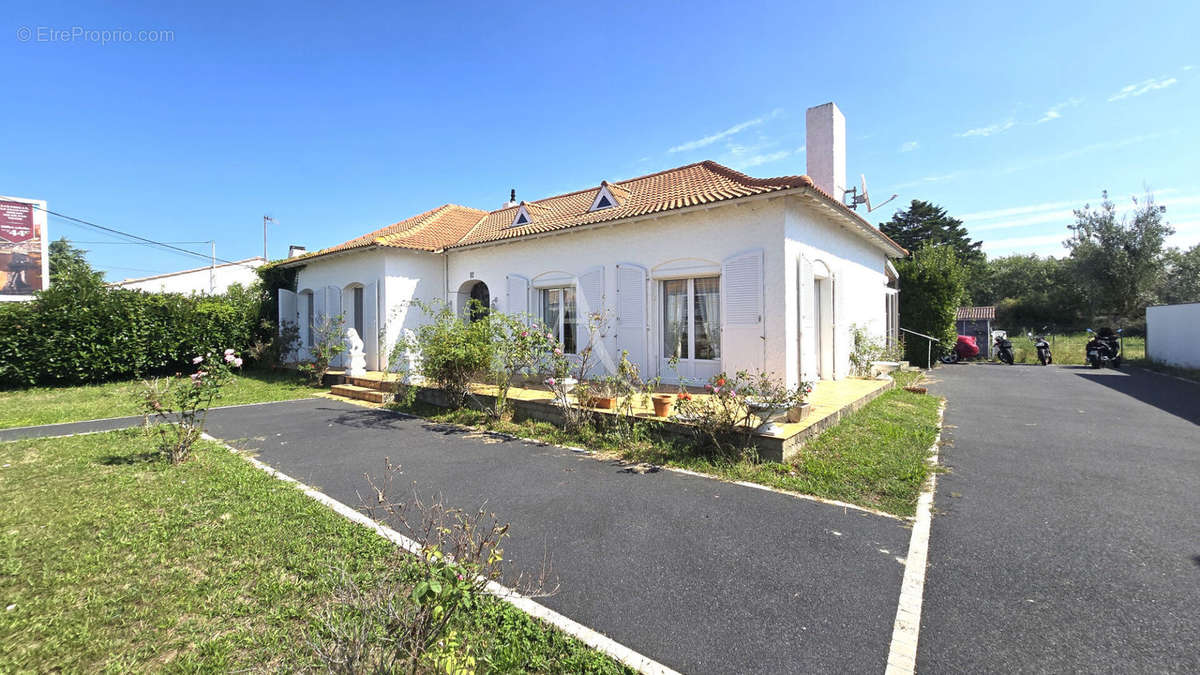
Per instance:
x=294, y=251
x=825, y=148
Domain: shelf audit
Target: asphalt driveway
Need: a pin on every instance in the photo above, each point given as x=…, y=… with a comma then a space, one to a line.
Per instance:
x=1067, y=532
x=700, y=575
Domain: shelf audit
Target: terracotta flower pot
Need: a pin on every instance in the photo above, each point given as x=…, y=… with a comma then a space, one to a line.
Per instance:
x=602, y=402
x=662, y=404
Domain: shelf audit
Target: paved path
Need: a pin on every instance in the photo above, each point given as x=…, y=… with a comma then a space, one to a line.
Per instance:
x=703, y=576
x=1067, y=533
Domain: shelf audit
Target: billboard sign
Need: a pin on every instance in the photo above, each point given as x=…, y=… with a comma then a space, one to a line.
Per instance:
x=22, y=248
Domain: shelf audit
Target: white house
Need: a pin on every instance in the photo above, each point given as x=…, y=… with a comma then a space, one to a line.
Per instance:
x=210, y=280
x=722, y=270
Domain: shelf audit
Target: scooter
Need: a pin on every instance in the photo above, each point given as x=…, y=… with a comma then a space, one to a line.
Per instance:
x=1004, y=348
x=1105, y=348
x=1043, y=348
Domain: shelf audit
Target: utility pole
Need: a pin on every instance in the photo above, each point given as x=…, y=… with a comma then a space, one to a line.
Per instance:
x=266, y=219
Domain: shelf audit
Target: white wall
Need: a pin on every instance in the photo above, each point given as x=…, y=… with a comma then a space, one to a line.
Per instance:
x=710, y=235
x=785, y=229
x=1171, y=334
x=199, y=280
x=860, y=281
x=401, y=277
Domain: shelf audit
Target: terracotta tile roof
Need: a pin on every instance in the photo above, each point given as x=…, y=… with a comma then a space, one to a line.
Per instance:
x=691, y=185
x=620, y=193
x=975, y=313
x=706, y=182
x=429, y=231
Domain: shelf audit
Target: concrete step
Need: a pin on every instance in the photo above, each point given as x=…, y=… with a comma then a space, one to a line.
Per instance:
x=372, y=383
x=361, y=393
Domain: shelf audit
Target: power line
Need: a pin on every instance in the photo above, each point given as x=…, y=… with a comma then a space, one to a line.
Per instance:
x=131, y=243
x=144, y=240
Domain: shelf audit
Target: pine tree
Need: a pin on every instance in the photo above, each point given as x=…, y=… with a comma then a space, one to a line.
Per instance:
x=925, y=223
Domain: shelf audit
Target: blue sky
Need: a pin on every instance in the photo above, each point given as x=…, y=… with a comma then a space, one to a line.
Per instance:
x=336, y=122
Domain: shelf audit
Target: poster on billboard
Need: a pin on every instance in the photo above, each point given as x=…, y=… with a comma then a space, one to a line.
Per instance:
x=23, y=260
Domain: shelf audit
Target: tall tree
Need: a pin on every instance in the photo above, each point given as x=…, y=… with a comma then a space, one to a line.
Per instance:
x=925, y=223
x=1119, y=262
x=1182, y=283
x=932, y=283
x=65, y=259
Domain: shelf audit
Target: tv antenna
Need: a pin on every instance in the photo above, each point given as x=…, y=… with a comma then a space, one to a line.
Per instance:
x=865, y=198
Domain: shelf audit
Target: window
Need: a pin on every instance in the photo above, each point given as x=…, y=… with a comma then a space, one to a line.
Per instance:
x=692, y=318
x=521, y=219
x=558, y=312
x=358, y=311
x=603, y=203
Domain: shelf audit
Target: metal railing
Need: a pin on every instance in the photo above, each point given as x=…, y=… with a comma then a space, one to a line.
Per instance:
x=929, y=345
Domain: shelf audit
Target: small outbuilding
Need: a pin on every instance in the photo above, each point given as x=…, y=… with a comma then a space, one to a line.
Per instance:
x=977, y=322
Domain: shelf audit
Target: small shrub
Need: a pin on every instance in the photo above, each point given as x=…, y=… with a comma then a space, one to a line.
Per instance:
x=407, y=622
x=329, y=342
x=452, y=352
x=867, y=349
x=180, y=404
x=722, y=422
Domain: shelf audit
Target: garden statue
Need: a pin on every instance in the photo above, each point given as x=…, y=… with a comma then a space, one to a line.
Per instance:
x=358, y=359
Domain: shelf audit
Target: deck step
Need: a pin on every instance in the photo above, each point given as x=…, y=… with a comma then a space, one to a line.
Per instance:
x=372, y=383
x=361, y=393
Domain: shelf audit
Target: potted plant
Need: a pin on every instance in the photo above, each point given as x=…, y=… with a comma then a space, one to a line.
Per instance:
x=604, y=393
x=801, y=410
x=772, y=403
x=662, y=404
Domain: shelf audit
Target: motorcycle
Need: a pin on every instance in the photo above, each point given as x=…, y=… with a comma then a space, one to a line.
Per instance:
x=1004, y=348
x=1104, y=349
x=1043, y=348
x=964, y=348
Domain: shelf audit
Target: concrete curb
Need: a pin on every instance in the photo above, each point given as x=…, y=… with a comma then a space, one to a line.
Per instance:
x=591, y=638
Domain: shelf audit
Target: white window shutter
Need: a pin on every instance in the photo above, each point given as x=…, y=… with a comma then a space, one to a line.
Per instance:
x=743, y=345
x=371, y=341
x=589, y=300
x=333, y=309
x=518, y=295
x=631, y=315
x=287, y=315
x=318, y=309
x=742, y=275
x=841, y=354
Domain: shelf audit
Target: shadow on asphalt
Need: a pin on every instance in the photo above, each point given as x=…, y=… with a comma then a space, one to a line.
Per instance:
x=1181, y=399
x=367, y=418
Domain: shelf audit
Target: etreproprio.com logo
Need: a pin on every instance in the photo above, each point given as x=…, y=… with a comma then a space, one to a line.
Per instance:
x=102, y=36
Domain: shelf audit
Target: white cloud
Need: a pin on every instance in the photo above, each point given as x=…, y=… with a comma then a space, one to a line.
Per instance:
x=909, y=146
x=1139, y=88
x=1055, y=111
x=737, y=128
x=755, y=160
x=989, y=130
x=1188, y=67
x=1041, y=240
x=927, y=180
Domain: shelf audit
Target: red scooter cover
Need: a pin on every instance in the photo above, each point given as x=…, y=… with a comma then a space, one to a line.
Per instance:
x=966, y=347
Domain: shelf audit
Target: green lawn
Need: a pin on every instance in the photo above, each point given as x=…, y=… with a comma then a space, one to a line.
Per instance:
x=876, y=457
x=50, y=405
x=1069, y=349
x=112, y=562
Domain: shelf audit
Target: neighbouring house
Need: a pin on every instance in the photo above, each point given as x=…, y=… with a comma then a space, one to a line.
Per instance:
x=210, y=280
x=721, y=270
x=977, y=322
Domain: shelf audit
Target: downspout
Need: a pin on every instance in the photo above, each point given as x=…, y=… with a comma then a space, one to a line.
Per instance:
x=445, y=277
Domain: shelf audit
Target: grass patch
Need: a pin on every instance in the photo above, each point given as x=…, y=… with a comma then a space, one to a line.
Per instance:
x=1070, y=349
x=875, y=457
x=113, y=563
x=51, y=405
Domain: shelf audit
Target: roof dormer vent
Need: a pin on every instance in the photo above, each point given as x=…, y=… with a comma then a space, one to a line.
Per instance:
x=609, y=196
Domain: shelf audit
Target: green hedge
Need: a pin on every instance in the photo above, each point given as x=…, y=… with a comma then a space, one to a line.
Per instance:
x=80, y=331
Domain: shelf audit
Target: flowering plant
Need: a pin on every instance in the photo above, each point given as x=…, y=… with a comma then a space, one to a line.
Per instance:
x=725, y=419
x=179, y=405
